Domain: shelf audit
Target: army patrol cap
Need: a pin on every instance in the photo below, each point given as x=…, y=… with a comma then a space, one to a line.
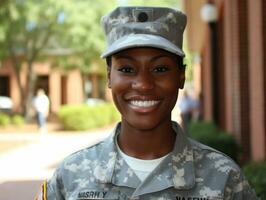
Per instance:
x=158, y=27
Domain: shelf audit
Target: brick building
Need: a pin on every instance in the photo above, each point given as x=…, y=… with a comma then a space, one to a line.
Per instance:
x=232, y=68
x=62, y=87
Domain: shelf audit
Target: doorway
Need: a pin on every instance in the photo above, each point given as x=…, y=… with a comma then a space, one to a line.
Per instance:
x=4, y=86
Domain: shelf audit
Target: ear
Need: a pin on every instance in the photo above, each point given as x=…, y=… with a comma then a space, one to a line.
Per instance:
x=182, y=79
x=109, y=77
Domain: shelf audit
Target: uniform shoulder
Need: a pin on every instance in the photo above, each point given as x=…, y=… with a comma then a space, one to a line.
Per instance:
x=88, y=153
x=210, y=162
x=205, y=153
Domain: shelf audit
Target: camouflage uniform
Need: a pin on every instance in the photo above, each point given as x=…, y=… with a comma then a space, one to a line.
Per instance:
x=129, y=27
x=192, y=171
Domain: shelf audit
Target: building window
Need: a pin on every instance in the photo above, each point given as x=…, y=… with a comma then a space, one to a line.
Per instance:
x=4, y=86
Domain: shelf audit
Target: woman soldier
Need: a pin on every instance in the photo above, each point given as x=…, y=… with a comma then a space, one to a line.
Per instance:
x=148, y=156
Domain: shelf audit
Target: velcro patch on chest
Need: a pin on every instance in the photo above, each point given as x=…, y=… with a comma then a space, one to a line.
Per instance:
x=94, y=194
x=197, y=198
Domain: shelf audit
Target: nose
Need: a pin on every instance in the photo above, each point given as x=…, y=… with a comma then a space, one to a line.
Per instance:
x=143, y=82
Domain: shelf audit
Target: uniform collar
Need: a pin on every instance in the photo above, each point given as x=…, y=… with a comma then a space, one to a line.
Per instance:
x=176, y=170
x=182, y=161
x=113, y=167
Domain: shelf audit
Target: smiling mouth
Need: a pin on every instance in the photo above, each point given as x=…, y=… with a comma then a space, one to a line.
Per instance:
x=144, y=103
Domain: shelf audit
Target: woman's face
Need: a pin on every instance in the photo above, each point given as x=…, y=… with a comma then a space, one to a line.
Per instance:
x=145, y=84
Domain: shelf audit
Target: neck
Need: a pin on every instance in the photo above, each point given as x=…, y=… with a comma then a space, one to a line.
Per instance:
x=147, y=144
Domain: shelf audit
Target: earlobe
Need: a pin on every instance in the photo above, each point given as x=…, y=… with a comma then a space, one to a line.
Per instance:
x=182, y=80
x=108, y=77
x=109, y=84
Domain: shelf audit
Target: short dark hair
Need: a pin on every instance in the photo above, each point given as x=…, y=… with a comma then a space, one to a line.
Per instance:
x=180, y=62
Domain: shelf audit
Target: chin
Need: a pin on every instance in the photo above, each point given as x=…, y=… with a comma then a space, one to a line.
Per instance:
x=143, y=124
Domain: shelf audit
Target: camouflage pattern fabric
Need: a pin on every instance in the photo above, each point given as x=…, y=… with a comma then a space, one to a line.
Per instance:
x=128, y=27
x=192, y=171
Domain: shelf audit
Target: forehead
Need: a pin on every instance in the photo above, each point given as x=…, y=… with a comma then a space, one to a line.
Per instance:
x=140, y=52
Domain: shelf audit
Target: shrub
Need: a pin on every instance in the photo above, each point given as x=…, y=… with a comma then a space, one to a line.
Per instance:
x=255, y=173
x=197, y=129
x=4, y=119
x=18, y=120
x=209, y=134
x=84, y=117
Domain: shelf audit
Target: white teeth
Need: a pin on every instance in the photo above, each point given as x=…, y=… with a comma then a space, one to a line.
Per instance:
x=144, y=103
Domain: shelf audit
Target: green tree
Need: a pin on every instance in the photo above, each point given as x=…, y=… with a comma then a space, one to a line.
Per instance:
x=34, y=29
x=166, y=3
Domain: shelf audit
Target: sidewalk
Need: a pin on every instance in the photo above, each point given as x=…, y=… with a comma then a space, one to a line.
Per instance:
x=23, y=169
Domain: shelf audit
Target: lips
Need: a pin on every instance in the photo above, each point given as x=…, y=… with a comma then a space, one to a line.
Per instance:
x=144, y=103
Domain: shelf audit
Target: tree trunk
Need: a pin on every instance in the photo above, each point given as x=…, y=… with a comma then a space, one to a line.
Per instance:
x=21, y=91
x=31, y=79
x=17, y=66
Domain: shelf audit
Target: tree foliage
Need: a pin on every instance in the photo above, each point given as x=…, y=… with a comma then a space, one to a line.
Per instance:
x=84, y=33
x=165, y=3
x=66, y=30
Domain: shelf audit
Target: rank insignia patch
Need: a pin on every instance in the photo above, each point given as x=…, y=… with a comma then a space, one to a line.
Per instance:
x=43, y=193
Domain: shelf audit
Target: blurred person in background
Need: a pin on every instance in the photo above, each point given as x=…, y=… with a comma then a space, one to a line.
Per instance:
x=41, y=105
x=189, y=108
x=148, y=156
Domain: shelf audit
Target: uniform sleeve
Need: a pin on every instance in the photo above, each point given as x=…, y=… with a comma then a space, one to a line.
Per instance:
x=52, y=189
x=238, y=188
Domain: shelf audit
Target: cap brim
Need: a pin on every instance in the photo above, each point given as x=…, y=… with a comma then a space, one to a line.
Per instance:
x=142, y=40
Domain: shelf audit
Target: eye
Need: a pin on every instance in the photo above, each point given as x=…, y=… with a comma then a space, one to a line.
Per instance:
x=160, y=69
x=126, y=69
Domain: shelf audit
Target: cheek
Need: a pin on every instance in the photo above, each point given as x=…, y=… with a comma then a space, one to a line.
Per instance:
x=119, y=87
x=169, y=85
x=169, y=88
x=118, y=83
